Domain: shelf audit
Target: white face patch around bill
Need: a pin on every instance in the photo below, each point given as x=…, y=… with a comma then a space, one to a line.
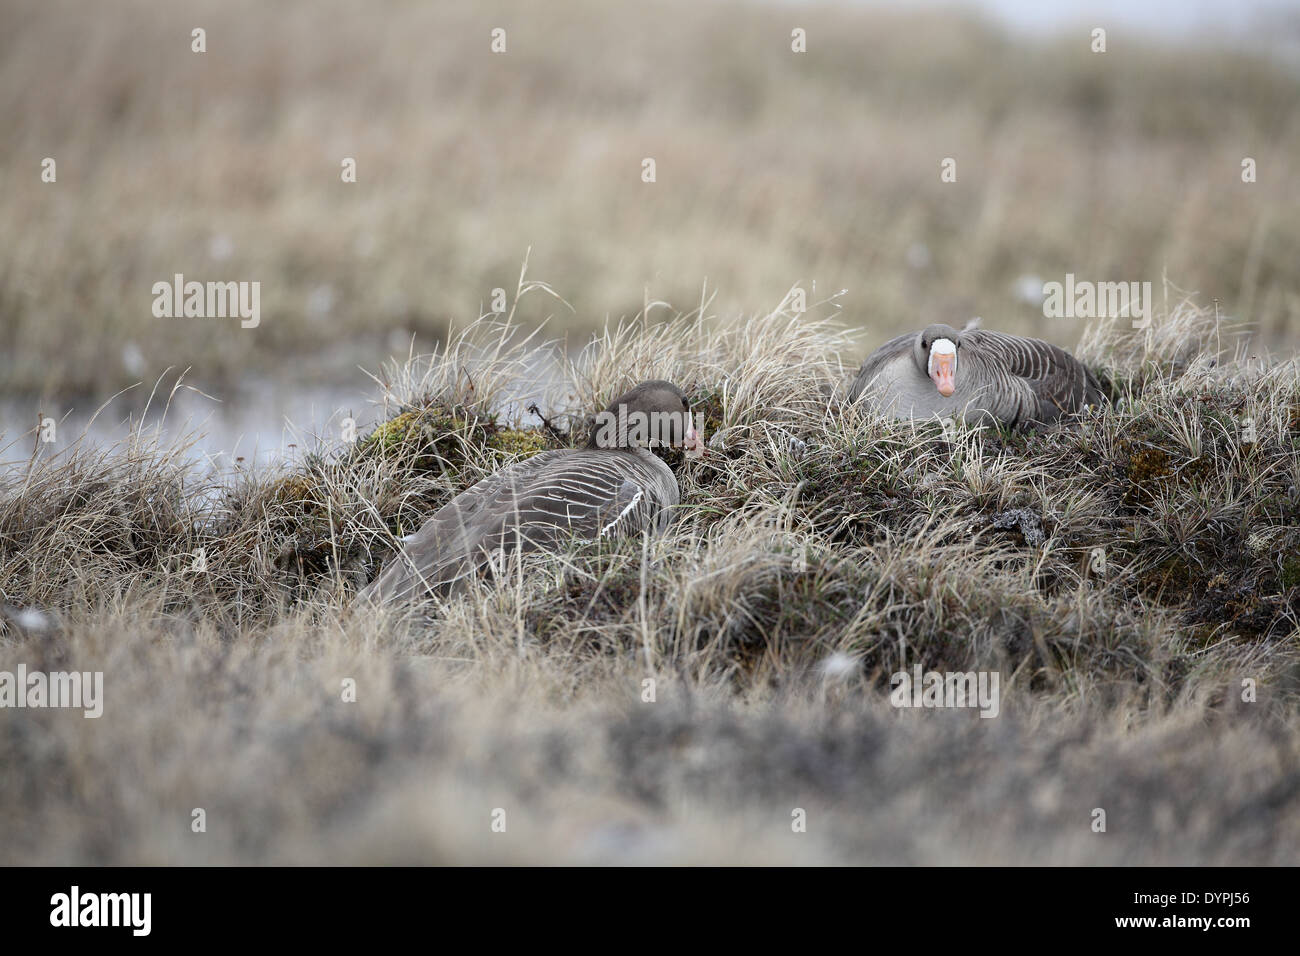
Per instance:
x=943, y=366
x=942, y=347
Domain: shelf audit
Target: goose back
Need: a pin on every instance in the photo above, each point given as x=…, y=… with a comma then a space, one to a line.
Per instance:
x=531, y=505
x=1059, y=383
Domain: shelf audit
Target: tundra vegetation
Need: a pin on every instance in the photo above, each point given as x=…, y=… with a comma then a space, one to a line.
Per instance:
x=1132, y=578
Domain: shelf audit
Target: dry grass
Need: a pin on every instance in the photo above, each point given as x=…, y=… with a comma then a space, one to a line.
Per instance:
x=817, y=550
x=773, y=168
x=810, y=533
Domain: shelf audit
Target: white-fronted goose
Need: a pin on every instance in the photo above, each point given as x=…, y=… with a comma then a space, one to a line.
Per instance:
x=978, y=375
x=611, y=487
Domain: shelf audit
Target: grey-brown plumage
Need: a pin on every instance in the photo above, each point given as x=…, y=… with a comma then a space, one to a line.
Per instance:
x=994, y=377
x=612, y=487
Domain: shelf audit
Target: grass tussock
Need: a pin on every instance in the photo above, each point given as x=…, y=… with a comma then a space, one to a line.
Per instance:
x=1123, y=576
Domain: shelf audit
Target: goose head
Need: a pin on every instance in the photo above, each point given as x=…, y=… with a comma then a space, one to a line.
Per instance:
x=936, y=352
x=654, y=414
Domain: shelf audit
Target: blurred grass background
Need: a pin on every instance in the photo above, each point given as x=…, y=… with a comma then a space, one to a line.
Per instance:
x=774, y=168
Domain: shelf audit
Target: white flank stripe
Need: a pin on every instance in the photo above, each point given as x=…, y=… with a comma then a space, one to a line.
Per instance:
x=622, y=514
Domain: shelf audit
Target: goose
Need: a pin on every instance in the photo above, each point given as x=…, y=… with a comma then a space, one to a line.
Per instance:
x=978, y=375
x=614, y=486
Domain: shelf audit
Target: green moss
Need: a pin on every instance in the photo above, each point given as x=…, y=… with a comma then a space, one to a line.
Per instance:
x=419, y=427
x=518, y=442
x=1171, y=578
x=393, y=432
x=433, y=438
x=709, y=406
x=1148, y=471
x=296, y=489
x=1197, y=470
x=1148, y=466
x=1290, y=577
x=1151, y=470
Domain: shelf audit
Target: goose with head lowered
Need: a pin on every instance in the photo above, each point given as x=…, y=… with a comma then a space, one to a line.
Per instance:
x=613, y=486
x=978, y=375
